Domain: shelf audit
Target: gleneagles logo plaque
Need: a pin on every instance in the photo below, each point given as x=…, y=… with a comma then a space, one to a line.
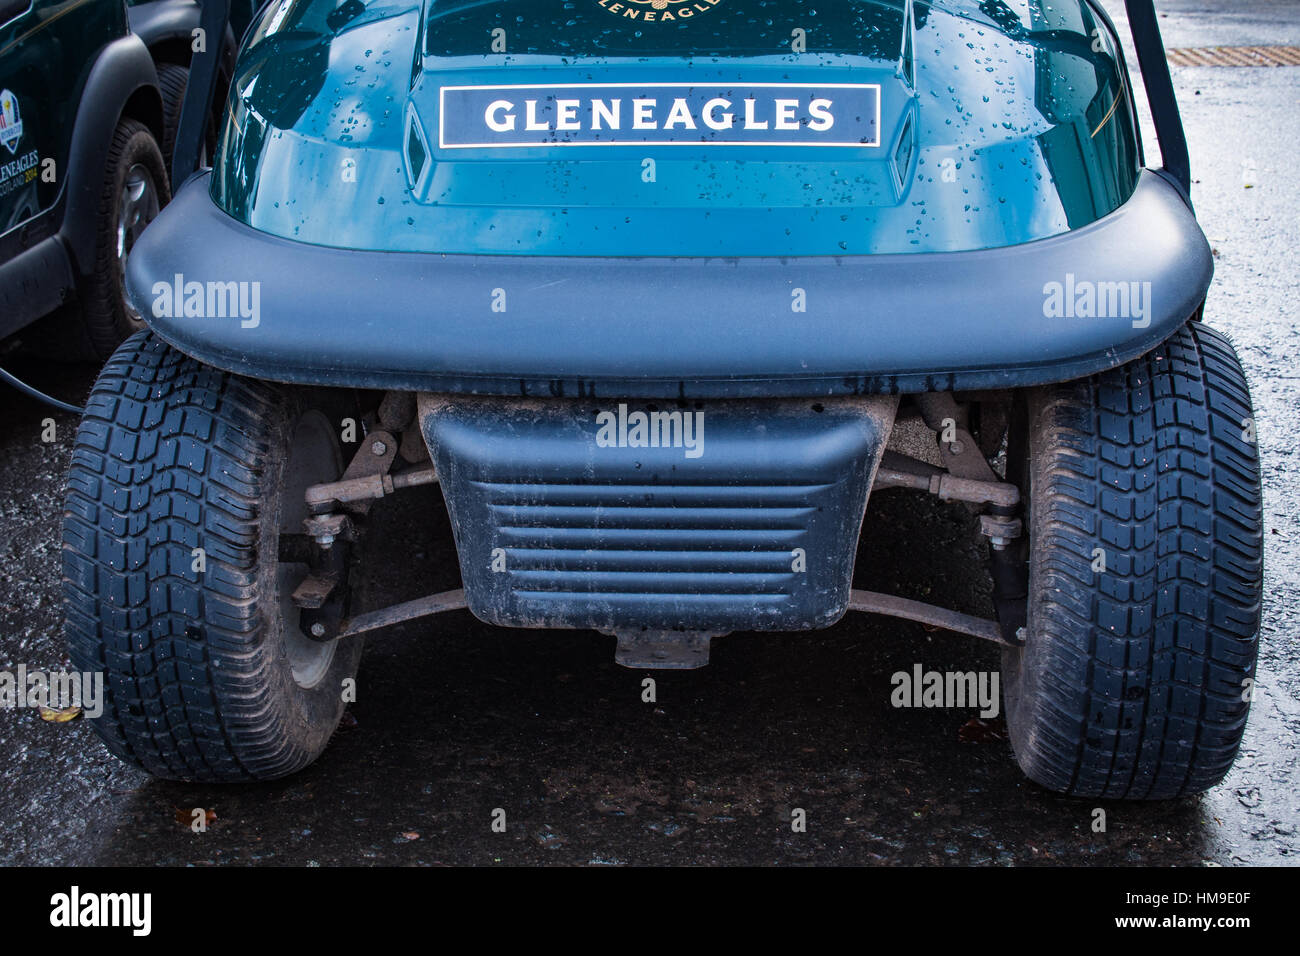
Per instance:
x=657, y=11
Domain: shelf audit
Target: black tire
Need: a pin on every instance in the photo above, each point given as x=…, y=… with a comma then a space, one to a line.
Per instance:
x=206, y=675
x=1133, y=682
x=133, y=157
x=172, y=80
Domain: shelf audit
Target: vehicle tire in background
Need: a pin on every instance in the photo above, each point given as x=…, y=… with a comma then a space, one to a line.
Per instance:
x=135, y=189
x=172, y=80
x=172, y=83
x=208, y=676
x=1135, y=680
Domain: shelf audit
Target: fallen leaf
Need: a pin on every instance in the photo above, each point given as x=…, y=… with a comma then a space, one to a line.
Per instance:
x=60, y=715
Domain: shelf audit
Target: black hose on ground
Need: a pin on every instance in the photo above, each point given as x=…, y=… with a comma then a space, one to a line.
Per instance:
x=38, y=394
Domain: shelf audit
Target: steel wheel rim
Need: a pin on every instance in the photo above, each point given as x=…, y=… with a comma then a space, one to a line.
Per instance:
x=137, y=206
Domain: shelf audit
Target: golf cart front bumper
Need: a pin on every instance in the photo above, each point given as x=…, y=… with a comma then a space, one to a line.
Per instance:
x=1050, y=310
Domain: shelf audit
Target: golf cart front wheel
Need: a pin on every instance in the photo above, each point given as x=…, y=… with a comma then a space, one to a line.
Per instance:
x=182, y=544
x=1145, y=540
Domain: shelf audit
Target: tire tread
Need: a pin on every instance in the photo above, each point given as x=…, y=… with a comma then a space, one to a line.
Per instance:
x=161, y=465
x=1141, y=677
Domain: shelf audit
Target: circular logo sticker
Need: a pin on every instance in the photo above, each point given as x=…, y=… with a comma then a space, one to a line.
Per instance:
x=11, y=121
x=657, y=11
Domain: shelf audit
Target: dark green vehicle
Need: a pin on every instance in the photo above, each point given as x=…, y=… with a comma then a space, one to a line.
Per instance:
x=90, y=98
x=81, y=118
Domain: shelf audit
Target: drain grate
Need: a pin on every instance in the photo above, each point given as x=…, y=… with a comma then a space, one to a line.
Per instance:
x=1236, y=56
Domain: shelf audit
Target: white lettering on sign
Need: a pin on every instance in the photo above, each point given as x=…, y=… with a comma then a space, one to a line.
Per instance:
x=772, y=114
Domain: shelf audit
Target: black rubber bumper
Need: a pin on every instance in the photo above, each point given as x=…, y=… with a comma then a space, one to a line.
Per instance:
x=659, y=327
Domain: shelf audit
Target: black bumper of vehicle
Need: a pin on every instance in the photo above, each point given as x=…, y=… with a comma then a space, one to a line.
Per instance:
x=660, y=327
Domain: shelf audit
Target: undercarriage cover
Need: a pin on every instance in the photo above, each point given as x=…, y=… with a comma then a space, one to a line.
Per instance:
x=704, y=516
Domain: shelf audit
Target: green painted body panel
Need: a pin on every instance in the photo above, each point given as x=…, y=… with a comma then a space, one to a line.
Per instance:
x=1000, y=123
x=46, y=55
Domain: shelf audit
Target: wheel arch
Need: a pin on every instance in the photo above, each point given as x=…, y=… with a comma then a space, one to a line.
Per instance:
x=166, y=27
x=123, y=82
x=145, y=105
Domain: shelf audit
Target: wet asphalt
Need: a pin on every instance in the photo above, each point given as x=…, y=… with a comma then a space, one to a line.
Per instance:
x=455, y=720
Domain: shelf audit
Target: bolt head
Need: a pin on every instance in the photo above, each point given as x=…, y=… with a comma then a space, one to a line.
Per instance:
x=379, y=448
x=318, y=630
x=1021, y=634
x=956, y=447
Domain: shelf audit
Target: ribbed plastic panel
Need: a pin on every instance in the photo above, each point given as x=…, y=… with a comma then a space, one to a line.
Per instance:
x=556, y=529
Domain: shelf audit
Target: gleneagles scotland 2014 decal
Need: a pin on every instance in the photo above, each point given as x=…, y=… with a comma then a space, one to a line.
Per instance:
x=657, y=11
